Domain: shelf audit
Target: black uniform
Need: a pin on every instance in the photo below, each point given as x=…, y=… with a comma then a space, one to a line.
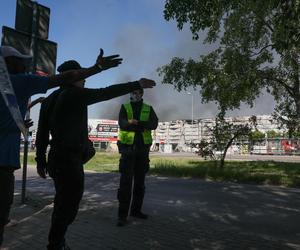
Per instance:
x=64, y=114
x=134, y=161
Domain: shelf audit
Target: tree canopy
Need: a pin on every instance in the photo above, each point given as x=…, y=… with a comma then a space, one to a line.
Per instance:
x=258, y=49
x=257, y=135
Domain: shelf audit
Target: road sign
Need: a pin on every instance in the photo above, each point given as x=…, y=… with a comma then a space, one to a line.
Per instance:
x=45, y=56
x=103, y=130
x=26, y=12
x=30, y=37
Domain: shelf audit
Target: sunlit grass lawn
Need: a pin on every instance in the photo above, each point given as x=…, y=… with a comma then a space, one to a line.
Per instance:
x=256, y=172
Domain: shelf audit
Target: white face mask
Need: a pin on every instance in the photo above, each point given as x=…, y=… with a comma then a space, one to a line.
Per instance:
x=135, y=97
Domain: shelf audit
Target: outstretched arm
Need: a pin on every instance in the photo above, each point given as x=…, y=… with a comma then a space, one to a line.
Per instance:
x=91, y=96
x=68, y=77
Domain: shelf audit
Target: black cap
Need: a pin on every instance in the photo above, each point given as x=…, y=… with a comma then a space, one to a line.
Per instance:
x=68, y=65
x=140, y=89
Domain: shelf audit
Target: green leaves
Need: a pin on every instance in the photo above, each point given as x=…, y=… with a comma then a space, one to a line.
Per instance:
x=259, y=48
x=200, y=15
x=257, y=135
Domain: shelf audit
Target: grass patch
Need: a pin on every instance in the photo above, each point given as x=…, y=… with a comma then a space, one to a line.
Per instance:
x=101, y=162
x=104, y=162
x=30, y=159
x=255, y=172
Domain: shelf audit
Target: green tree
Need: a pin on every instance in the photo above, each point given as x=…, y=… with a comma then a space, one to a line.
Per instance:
x=296, y=134
x=258, y=48
x=223, y=134
x=273, y=134
x=257, y=135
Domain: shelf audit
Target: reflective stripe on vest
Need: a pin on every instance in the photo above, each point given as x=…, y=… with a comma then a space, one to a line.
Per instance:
x=127, y=137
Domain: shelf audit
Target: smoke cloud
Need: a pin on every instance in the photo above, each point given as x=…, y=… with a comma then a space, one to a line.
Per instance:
x=143, y=53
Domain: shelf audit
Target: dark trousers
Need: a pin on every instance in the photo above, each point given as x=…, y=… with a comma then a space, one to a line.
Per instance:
x=133, y=166
x=66, y=170
x=7, y=183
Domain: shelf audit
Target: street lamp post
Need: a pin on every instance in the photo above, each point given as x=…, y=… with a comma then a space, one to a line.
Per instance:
x=189, y=93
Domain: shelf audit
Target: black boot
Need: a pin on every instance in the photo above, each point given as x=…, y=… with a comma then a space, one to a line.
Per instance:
x=122, y=221
x=139, y=215
x=62, y=246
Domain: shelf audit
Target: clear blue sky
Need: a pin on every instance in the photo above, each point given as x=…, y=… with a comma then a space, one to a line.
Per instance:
x=137, y=31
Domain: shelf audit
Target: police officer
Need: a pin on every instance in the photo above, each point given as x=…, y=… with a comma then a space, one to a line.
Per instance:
x=136, y=120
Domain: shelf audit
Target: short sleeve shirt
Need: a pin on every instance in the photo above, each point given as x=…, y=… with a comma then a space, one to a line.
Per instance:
x=25, y=85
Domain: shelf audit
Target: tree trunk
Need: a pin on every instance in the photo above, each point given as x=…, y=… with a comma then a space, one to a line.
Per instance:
x=298, y=107
x=222, y=161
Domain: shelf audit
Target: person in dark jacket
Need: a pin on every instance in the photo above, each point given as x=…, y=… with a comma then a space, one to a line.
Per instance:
x=13, y=73
x=64, y=115
x=136, y=120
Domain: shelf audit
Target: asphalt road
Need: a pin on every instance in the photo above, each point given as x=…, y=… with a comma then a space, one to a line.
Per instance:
x=185, y=214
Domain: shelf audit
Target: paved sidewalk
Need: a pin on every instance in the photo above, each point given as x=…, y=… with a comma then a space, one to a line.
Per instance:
x=185, y=214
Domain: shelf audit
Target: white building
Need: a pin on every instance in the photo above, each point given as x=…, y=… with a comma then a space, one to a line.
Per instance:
x=179, y=133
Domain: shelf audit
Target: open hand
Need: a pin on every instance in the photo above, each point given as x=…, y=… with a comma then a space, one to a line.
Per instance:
x=108, y=62
x=146, y=83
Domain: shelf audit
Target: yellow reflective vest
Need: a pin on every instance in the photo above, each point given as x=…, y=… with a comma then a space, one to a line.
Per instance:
x=127, y=137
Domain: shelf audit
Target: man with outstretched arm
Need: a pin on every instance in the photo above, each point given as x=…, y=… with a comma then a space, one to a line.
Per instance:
x=64, y=115
x=26, y=85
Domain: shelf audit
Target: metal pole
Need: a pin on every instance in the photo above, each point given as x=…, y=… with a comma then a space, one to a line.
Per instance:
x=192, y=121
x=25, y=158
x=192, y=109
x=189, y=93
x=33, y=63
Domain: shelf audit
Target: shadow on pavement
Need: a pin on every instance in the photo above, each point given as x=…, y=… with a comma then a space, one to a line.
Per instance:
x=184, y=214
